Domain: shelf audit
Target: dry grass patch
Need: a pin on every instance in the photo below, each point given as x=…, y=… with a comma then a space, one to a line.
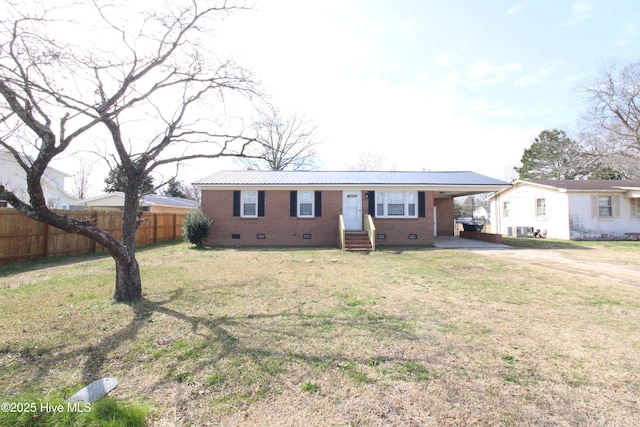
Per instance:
x=299, y=337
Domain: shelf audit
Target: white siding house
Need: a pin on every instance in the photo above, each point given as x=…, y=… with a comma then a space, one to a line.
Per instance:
x=570, y=210
x=13, y=178
x=150, y=203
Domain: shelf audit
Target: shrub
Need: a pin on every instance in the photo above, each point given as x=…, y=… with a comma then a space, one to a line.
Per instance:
x=196, y=227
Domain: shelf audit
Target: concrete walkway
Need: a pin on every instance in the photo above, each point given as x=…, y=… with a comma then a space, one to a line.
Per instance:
x=451, y=242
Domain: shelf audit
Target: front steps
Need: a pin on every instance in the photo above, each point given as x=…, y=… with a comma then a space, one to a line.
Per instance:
x=357, y=241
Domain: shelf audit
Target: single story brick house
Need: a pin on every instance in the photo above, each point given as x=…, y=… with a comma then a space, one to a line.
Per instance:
x=323, y=208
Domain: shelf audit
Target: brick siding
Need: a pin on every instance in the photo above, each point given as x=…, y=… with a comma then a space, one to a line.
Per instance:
x=278, y=228
x=485, y=237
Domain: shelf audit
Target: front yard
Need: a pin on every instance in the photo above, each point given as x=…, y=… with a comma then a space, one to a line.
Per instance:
x=318, y=337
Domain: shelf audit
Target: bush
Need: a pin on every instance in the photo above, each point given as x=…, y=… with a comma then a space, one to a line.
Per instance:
x=196, y=227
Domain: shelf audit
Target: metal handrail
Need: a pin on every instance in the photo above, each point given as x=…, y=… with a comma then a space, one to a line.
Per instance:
x=370, y=228
x=341, y=232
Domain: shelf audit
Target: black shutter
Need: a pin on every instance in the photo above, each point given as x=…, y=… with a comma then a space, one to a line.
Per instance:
x=260, y=203
x=318, y=204
x=422, y=205
x=236, y=203
x=372, y=203
x=293, y=203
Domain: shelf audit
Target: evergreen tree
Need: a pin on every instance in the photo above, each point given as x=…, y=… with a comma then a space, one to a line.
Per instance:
x=117, y=181
x=553, y=155
x=175, y=188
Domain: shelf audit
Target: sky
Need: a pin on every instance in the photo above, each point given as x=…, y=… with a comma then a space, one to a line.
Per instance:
x=432, y=85
x=427, y=84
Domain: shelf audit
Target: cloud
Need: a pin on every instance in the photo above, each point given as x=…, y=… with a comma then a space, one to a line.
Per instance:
x=628, y=33
x=410, y=28
x=443, y=59
x=359, y=19
x=528, y=80
x=492, y=109
x=532, y=78
x=484, y=72
x=516, y=8
x=580, y=12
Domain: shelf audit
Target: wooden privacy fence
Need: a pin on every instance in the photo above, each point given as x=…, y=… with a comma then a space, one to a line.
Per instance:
x=22, y=238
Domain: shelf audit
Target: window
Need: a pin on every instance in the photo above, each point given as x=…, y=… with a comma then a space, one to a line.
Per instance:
x=635, y=209
x=541, y=208
x=305, y=203
x=249, y=204
x=604, y=206
x=380, y=203
x=506, y=209
x=396, y=204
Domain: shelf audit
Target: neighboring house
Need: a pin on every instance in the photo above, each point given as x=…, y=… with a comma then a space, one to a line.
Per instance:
x=570, y=210
x=14, y=179
x=304, y=208
x=150, y=203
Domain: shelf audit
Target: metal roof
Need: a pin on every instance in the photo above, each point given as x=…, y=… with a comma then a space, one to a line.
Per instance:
x=146, y=200
x=308, y=178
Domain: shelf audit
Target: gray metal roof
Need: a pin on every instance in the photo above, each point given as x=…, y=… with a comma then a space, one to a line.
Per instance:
x=282, y=178
x=176, y=202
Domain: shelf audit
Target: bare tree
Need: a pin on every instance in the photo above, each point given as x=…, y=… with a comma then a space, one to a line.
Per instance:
x=82, y=179
x=609, y=159
x=284, y=143
x=146, y=80
x=370, y=161
x=192, y=192
x=615, y=100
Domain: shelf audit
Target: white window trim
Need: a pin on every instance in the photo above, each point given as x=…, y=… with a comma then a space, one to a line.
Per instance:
x=385, y=201
x=538, y=214
x=506, y=209
x=635, y=209
x=313, y=204
x=242, y=203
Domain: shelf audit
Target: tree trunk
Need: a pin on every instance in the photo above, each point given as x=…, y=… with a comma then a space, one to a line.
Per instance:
x=128, y=282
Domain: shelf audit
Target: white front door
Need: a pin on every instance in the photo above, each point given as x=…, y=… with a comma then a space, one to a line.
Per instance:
x=352, y=210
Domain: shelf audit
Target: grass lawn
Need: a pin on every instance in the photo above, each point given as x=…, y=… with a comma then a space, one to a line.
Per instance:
x=399, y=337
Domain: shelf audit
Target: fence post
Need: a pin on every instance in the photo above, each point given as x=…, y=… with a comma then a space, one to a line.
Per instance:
x=175, y=220
x=155, y=228
x=46, y=240
x=94, y=219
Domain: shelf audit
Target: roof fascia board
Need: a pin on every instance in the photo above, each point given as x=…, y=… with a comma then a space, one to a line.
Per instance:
x=103, y=196
x=546, y=186
x=487, y=188
x=598, y=190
